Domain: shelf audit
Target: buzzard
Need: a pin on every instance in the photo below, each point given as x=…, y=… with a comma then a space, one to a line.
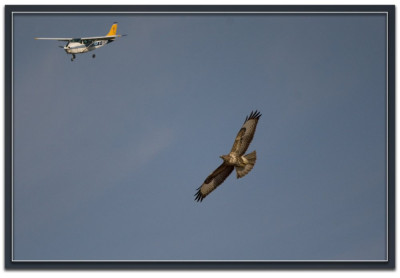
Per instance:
x=235, y=159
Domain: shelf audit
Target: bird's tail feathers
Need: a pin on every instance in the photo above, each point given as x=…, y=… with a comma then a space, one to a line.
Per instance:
x=251, y=160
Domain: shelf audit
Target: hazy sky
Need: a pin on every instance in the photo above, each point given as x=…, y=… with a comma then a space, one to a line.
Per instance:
x=108, y=152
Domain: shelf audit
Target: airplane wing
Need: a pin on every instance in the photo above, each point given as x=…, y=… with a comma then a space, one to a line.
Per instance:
x=55, y=39
x=86, y=38
x=102, y=37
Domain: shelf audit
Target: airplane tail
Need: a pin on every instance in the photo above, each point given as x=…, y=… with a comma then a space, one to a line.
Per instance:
x=113, y=30
x=251, y=160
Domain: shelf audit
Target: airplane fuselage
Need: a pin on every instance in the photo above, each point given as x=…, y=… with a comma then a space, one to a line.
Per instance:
x=82, y=46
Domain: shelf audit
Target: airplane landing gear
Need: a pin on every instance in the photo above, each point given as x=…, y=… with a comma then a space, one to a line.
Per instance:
x=94, y=56
x=73, y=57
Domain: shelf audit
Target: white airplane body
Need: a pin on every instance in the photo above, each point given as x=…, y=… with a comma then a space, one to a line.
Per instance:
x=83, y=45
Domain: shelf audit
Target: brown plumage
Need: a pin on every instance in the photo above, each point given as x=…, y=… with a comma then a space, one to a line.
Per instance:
x=235, y=159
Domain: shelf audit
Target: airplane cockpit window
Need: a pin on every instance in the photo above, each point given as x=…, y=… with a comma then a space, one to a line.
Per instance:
x=75, y=40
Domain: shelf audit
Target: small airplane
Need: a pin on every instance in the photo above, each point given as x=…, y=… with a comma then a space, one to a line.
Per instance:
x=83, y=45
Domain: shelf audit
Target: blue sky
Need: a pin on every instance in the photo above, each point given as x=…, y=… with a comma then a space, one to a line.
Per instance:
x=108, y=151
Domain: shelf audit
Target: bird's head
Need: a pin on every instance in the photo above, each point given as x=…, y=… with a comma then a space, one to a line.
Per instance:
x=224, y=157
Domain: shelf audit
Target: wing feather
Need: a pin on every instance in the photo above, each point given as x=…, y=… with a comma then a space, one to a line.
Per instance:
x=213, y=181
x=246, y=133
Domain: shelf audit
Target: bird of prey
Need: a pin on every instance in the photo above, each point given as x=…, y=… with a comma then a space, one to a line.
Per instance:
x=235, y=159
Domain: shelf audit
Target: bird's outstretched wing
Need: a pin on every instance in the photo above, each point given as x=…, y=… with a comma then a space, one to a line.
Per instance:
x=212, y=181
x=246, y=133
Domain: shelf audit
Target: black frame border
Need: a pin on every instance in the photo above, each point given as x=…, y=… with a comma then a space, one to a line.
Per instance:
x=390, y=264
